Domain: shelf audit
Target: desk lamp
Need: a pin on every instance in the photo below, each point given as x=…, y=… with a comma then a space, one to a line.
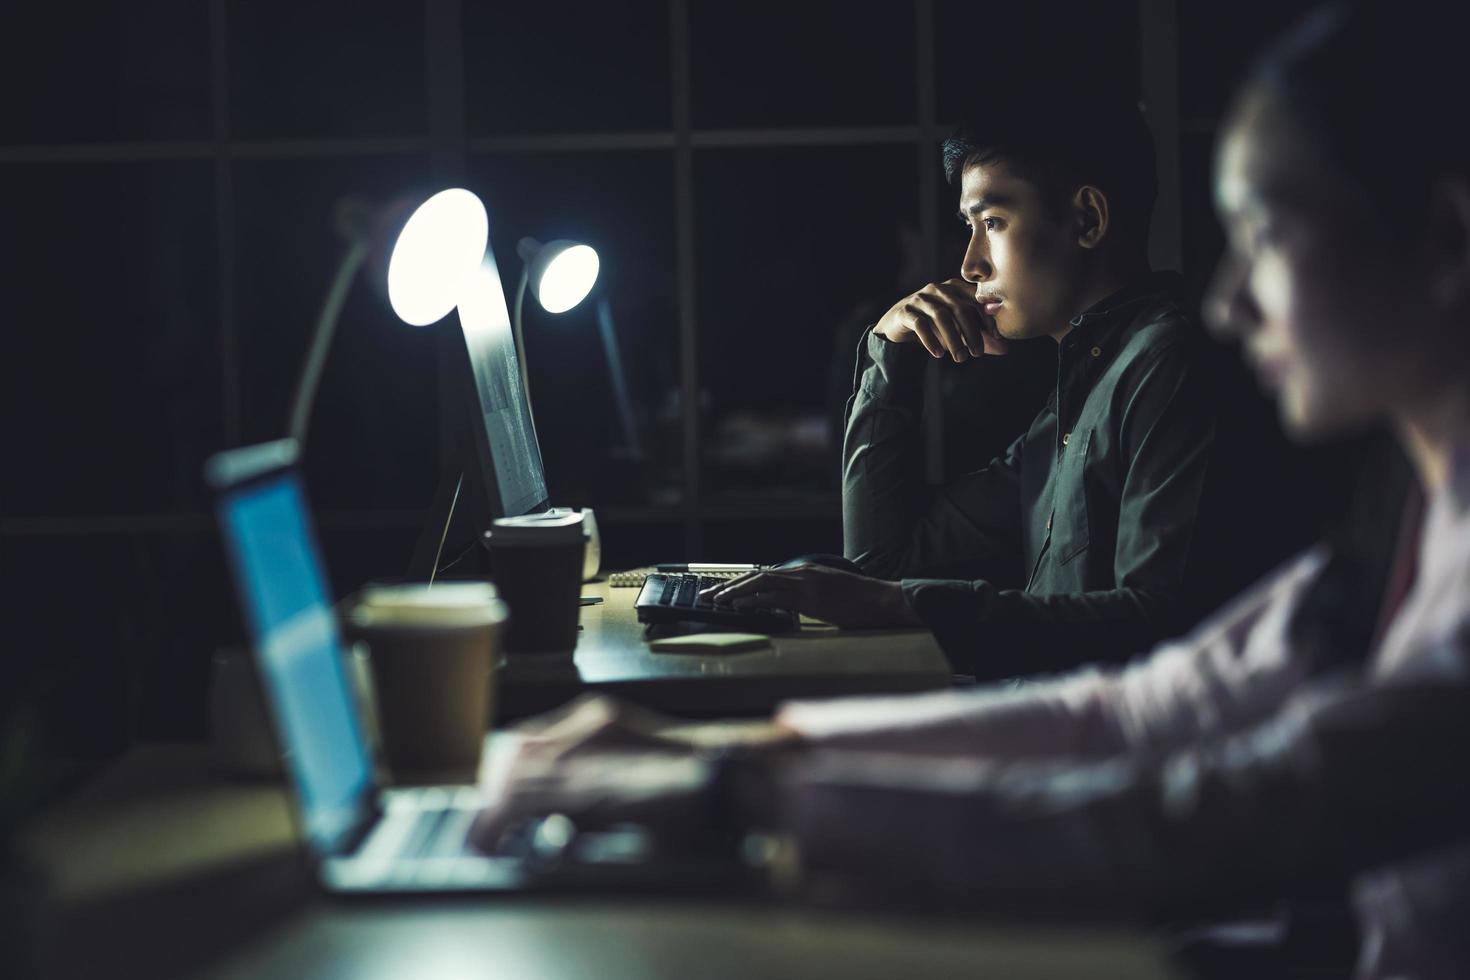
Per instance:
x=438, y=254
x=435, y=250
x=560, y=274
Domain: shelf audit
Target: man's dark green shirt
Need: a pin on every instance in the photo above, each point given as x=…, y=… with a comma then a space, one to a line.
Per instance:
x=1089, y=516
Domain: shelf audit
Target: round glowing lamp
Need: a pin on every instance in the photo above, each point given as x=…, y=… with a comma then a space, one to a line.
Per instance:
x=559, y=274
x=440, y=246
x=432, y=254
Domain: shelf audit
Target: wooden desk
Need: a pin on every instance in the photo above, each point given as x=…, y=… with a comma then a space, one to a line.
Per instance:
x=612, y=656
x=163, y=868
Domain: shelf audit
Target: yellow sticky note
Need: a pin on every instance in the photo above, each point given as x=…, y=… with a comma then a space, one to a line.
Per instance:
x=710, y=643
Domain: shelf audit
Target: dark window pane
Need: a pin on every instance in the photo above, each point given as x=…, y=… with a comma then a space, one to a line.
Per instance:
x=111, y=374
x=1203, y=238
x=327, y=69
x=634, y=545
x=622, y=205
x=112, y=635
x=1217, y=43
x=116, y=71
x=1003, y=46
x=374, y=430
x=537, y=68
x=800, y=249
x=185, y=610
x=72, y=670
x=818, y=62
x=765, y=541
x=355, y=556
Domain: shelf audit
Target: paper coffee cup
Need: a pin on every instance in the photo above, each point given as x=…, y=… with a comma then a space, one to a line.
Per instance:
x=536, y=561
x=432, y=651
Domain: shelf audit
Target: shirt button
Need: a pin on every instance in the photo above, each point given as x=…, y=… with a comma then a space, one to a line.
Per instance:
x=1066, y=437
x=1097, y=352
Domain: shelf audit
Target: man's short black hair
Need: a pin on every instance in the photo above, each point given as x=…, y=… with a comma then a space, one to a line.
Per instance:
x=1062, y=141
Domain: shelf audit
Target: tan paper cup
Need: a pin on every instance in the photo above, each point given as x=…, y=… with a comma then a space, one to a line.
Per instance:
x=432, y=651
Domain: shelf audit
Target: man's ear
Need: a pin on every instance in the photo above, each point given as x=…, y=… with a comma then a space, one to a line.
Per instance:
x=1090, y=210
x=1449, y=242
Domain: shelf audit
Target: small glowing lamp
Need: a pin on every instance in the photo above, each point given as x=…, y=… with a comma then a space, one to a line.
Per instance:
x=560, y=273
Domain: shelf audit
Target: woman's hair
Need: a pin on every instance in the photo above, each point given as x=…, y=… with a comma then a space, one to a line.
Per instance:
x=1380, y=89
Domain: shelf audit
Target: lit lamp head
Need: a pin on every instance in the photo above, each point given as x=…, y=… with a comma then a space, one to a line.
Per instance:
x=440, y=247
x=434, y=253
x=560, y=273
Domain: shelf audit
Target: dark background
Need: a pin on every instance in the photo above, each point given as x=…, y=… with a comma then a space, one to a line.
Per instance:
x=757, y=176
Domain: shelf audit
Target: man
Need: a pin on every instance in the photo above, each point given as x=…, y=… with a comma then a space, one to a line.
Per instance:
x=1083, y=530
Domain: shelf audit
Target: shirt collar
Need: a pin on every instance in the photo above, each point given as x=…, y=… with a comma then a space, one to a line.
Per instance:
x=1114, y=307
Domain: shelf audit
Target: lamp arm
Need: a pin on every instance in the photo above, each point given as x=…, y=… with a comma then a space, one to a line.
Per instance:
x=321, y=340
x=521, y=341
x=619, y=377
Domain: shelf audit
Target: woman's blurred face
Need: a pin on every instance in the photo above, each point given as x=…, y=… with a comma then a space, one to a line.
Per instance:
x=1330, y=307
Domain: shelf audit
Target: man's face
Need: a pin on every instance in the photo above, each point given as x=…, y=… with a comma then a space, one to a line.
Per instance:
x=1024, y=257
x=1326, y=304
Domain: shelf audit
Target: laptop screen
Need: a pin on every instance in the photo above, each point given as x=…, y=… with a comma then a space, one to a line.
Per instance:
x=283, y=591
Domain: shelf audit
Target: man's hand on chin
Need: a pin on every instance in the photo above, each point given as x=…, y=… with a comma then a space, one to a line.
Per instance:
x=947, y=319
x=830, y=594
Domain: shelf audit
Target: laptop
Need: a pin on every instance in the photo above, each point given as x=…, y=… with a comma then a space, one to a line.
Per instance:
x=360, y=836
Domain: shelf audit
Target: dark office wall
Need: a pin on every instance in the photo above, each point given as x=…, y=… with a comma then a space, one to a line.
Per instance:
x=752, y=172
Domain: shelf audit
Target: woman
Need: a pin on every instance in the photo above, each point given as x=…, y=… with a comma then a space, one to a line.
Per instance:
x=1267, y=748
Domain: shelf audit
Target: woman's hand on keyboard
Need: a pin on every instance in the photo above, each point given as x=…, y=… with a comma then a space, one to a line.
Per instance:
x=599, y=761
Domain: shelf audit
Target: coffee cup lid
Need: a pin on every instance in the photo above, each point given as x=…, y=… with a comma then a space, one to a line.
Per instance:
x=537, y=529
x=419, y=604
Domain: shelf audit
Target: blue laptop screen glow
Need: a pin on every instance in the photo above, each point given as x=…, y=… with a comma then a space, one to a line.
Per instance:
x=285, y=595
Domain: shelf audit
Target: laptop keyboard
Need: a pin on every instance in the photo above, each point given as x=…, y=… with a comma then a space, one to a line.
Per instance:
x=428, y=823
x=438, y=833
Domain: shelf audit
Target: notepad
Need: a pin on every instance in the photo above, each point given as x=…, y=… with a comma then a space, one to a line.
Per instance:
x=710, y=643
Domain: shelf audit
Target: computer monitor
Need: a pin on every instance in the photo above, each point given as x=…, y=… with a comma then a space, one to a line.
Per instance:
x=504, y=435
x=496, y=469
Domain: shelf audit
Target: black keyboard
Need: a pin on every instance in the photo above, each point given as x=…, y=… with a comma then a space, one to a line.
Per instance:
x=674, y=597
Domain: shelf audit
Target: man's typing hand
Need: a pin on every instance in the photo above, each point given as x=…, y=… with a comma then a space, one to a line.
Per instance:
x=946, y=318
x=821, y=592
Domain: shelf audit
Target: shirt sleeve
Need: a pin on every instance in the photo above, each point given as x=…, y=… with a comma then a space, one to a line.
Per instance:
x=1336, y=781
x=1166, y=429
x=893, y=522
x=1233, y=670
